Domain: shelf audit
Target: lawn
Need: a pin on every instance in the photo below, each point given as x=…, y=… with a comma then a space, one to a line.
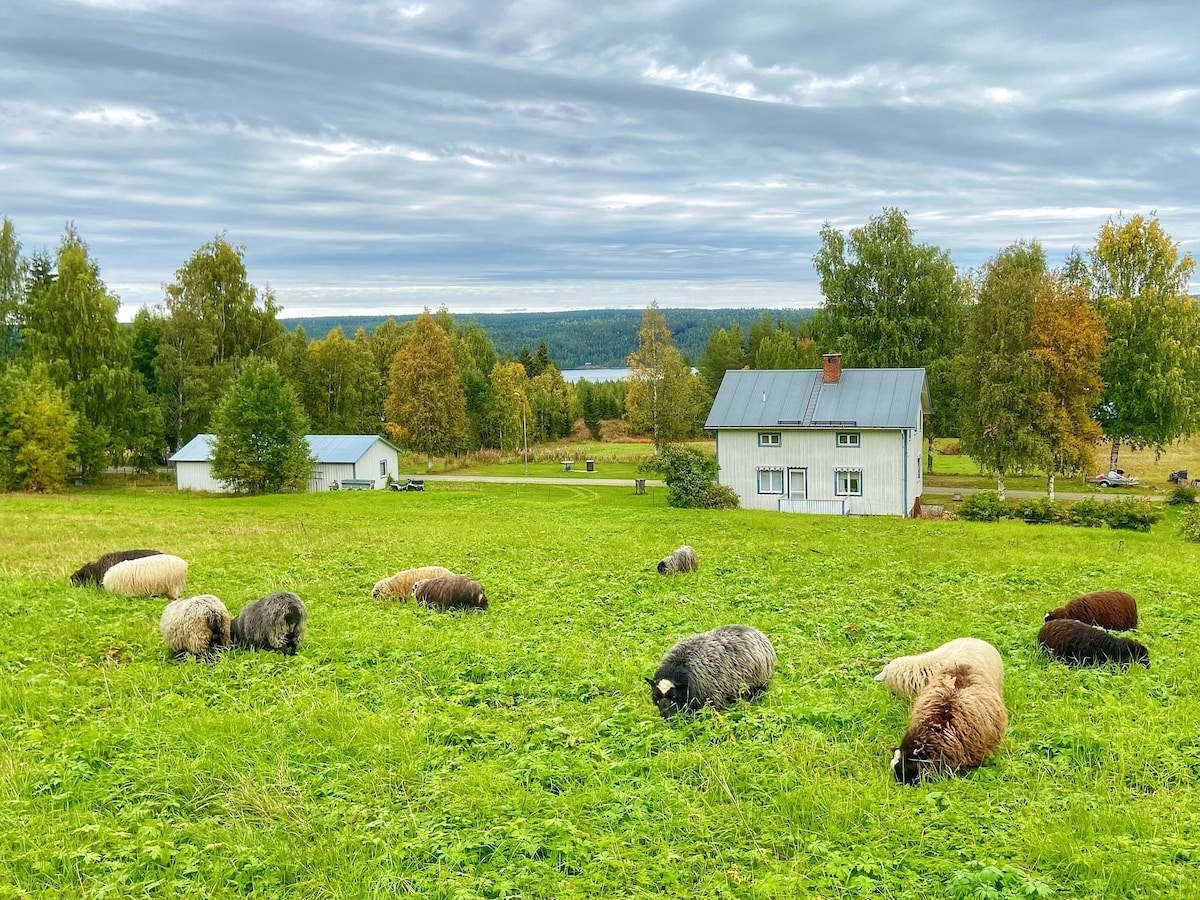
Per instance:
x=516, y=753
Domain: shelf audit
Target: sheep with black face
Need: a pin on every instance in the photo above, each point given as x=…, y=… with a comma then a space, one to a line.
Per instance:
x=713, y=668
x=678, y=561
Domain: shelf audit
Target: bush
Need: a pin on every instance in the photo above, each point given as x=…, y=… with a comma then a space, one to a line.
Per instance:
x=985, y=506
x=1133, y=515
x=1087, y=513
x=1183, y=494
x=1189, y=524
x=1039, y=511
x=690, y=477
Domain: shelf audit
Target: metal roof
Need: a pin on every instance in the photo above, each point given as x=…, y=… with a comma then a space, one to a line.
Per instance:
x=798, y=398
x=327, y=448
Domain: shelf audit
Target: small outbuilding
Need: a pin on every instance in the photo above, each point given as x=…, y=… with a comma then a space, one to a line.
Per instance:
x=356, y=458
x=828, y=440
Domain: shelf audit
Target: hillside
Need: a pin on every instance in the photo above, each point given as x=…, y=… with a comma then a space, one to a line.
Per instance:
x=603, y=337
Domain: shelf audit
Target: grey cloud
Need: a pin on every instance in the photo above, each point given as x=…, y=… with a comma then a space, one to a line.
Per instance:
x=439, y=147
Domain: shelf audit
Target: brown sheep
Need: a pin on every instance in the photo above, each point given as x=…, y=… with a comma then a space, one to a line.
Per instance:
x=957, y=721
x=1114, y=610
x=451, y=592
x=1079, y=644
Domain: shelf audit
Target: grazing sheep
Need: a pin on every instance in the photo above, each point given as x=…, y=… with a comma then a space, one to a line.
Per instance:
x=93, y=572
x=1077, y=643
x=450, y=592
x=195, y=625
x=274, y=622
x=401, y=584
x=678, y=561
x=713, y=668
x=957, y=721
x=148, y=577
x=1115, y=610
x=907, y=675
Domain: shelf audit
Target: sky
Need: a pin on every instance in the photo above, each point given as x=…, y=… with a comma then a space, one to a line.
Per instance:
x=491, y=156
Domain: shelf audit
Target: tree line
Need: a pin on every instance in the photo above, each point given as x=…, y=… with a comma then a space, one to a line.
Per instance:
x=1029, y=365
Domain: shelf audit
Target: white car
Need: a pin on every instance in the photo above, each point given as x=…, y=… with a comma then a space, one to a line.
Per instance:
x=1114, y=478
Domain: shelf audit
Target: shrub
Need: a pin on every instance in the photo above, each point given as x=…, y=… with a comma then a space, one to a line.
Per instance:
x=954, y=448
x=1189, y=524
x=1183, y=494
x=985, y=506
x=1133, y=515
x=690, y=477
x=1038, y=511
x=1087, y=513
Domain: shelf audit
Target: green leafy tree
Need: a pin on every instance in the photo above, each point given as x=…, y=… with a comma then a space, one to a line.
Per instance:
x=664, y=397
x=384, y=341
x=1000, y=375
x=507, y=395
x=1151, y=363
x=476, y=357
x=1067, y=336
x=12, y=290
x=549, y=405
x=345, y=386
x=214, y=319
x=890, y=302
x=778, y=350
x=426, y=408
x=37, y=429
x=724, y=351
x=71, y=328
x=259, y=428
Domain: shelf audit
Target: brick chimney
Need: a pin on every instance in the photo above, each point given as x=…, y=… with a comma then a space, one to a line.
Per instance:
x=831, y=368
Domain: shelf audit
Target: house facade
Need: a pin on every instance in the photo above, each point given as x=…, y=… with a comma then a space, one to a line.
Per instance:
x=340, y=457
x=828, y=440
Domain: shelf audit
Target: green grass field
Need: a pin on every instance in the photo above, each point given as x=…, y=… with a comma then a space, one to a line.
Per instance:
x=516, y=753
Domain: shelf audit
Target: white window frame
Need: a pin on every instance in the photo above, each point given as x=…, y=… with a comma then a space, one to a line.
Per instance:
x=383, y=467
x=773, y=472
x=852, y=440
x=841, y=482
x=770, y=439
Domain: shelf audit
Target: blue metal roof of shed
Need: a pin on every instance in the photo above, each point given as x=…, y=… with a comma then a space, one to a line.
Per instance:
x=798, y=398
x=327, y=448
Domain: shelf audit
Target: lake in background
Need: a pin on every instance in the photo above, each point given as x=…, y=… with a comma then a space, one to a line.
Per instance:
x=593, y=375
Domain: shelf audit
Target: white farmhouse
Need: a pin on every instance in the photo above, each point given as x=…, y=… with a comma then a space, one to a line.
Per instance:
x=340, y=457
x=828, y=440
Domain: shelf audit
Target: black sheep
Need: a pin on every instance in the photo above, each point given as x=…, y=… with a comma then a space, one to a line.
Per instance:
x=93, y=572
x=1079, y=644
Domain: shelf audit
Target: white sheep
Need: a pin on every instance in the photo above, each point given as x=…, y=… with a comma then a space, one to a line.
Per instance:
x=908, y=675
x=149, y=576
x=195, y=625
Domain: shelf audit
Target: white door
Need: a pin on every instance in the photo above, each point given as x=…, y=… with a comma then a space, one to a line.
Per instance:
x=797, y=486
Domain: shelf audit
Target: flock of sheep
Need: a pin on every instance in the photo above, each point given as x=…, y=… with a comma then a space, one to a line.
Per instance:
x=958, y=715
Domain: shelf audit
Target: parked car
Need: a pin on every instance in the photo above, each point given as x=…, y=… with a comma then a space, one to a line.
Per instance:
x=1114, y=478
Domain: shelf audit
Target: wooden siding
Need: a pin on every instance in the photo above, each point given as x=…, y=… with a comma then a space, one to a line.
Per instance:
x=881, y=457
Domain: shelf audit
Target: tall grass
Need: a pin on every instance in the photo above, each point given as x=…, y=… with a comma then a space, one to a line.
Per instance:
x=516, y=753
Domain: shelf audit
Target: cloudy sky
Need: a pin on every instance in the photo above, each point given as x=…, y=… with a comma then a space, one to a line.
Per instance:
x=384, y=155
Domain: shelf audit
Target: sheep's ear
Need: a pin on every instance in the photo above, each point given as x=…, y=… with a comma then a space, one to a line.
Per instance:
x=880, y=676
x=1049, y=616
x=651, y=682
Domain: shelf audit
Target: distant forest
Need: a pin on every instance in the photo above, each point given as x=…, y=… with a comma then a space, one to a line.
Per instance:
x=578, y=338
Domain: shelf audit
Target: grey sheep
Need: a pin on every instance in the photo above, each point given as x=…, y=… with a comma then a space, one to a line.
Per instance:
x=198, y=626
x=274, y=622
x=957, y=721
x=450, y=592
x=678, y=561
x=93, y=572
x=713, y=668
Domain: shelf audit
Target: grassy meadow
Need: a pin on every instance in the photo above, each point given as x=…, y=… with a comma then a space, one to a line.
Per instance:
x=516, y=753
